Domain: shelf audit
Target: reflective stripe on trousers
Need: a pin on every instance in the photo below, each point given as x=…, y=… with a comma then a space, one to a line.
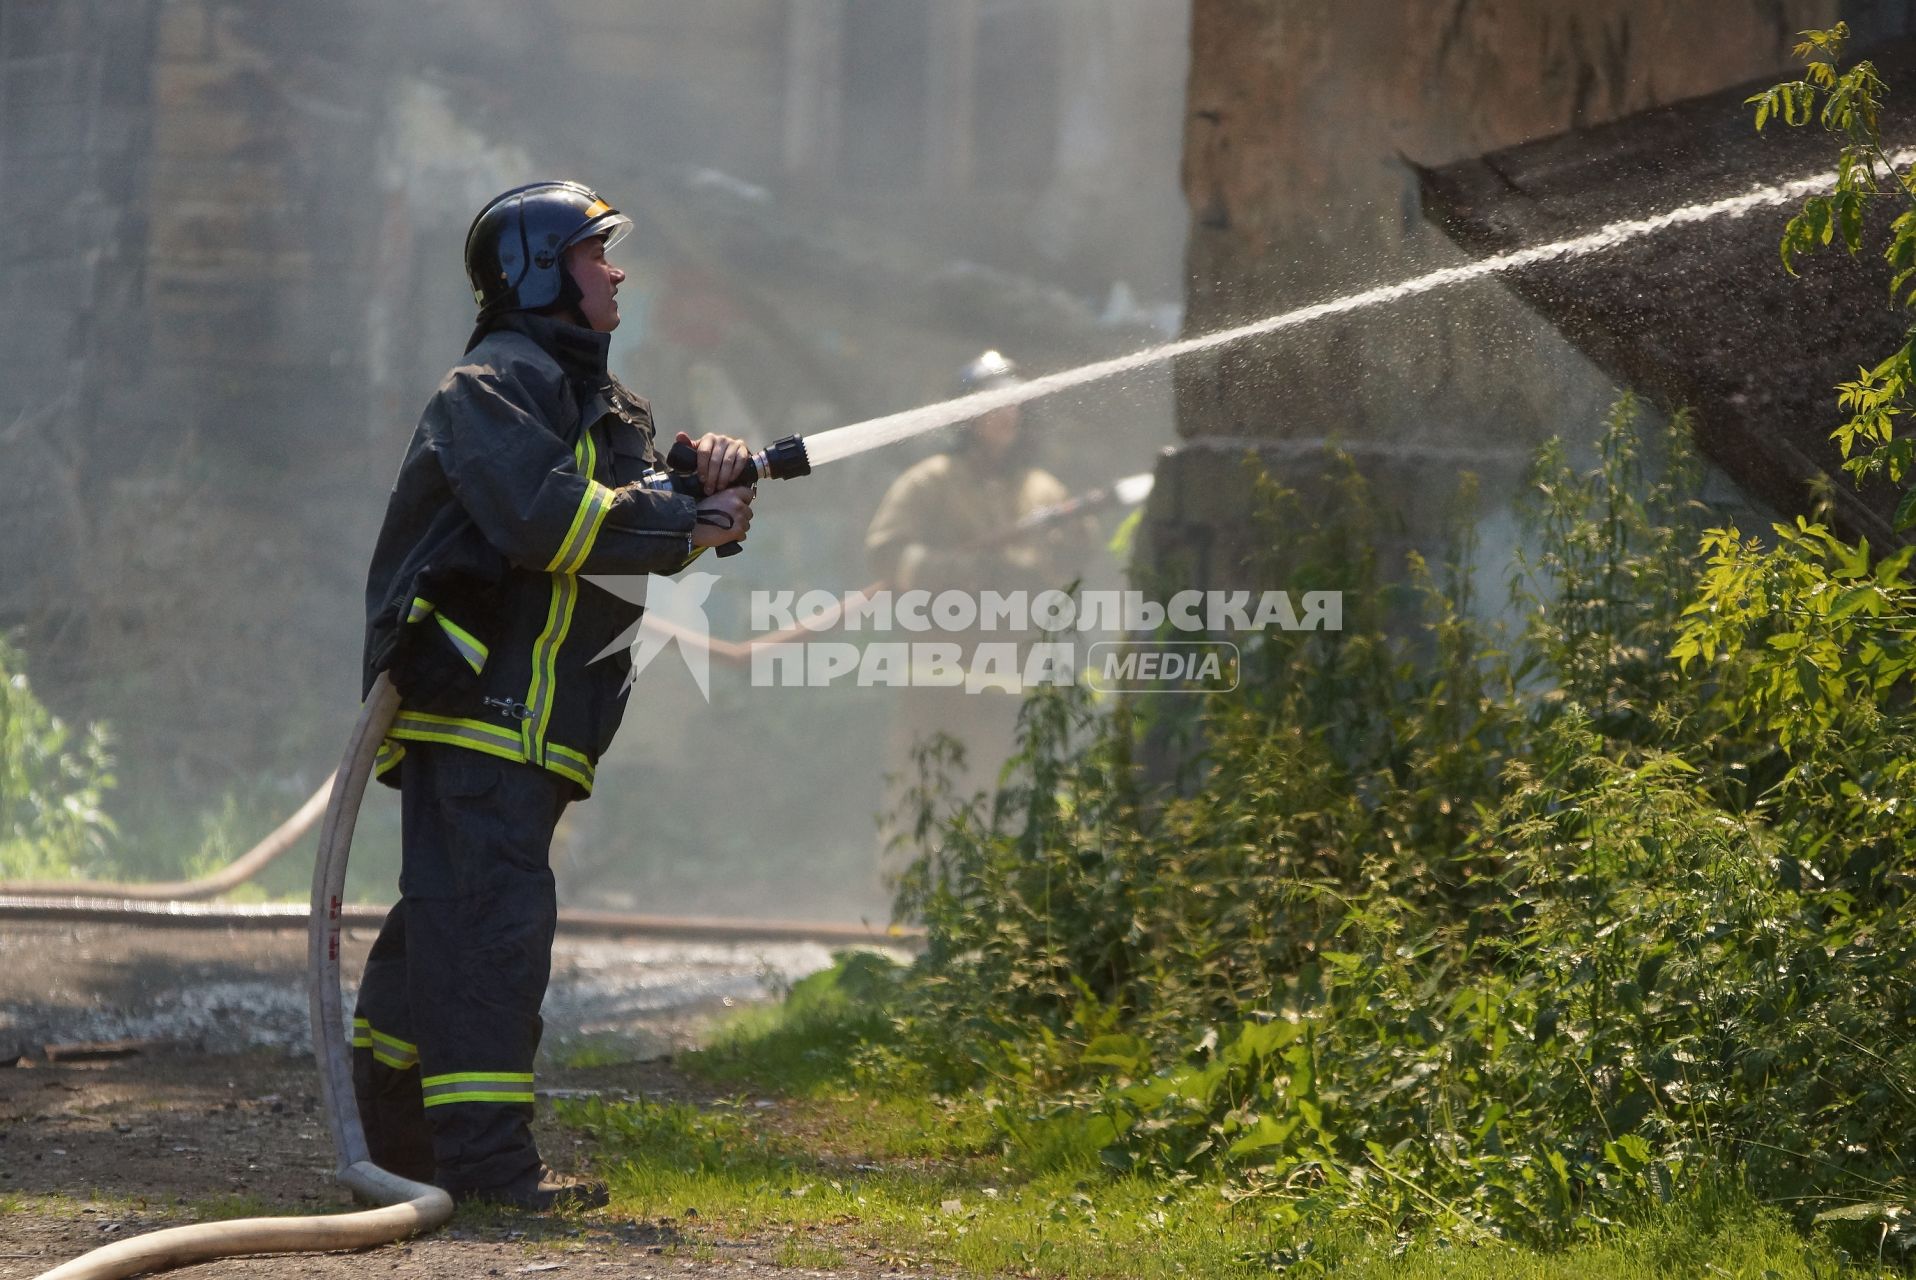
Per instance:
x=477, y=1086
x=398, y=1054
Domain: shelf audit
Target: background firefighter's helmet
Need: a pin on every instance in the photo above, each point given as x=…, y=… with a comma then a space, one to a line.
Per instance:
x=988, y=372
x=515, y=248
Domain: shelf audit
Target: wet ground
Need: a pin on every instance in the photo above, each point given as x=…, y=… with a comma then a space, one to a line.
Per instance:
x=215, y=1109
x=224, y=991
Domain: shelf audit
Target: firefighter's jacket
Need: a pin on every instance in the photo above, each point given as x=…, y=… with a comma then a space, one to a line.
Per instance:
x=518, y=482
x=951, y=523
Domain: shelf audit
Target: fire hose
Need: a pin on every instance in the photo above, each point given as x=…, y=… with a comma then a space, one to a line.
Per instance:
x=406, y=1207
x=229, y=877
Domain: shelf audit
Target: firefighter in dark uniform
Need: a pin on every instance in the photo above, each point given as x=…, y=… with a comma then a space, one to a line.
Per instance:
x=518, y=482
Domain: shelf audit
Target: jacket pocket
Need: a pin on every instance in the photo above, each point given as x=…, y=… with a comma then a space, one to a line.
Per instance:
x=632, y=450
x=439, y=651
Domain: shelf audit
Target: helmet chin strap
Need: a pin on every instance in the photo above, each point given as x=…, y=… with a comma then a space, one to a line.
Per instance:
x=566, y=306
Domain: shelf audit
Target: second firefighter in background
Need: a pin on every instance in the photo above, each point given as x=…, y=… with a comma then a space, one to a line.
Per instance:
x=953, y=523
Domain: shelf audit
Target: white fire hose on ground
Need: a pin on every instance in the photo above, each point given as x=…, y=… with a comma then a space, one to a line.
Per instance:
x=409, y=1207
x=227, y=878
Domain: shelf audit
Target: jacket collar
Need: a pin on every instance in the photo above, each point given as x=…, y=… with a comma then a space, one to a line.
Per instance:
x=581, y=352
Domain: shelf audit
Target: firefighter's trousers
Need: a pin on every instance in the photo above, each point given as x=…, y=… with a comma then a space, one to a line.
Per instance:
x=448, y=1016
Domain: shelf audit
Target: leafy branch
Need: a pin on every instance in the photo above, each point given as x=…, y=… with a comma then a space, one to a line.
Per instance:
x=1848, y=102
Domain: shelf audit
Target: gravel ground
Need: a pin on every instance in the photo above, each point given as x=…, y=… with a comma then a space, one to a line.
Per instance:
x=230, y=990
x=220, y=1102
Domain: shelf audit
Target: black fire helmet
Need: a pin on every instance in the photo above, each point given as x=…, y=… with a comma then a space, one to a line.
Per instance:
x=516, y=246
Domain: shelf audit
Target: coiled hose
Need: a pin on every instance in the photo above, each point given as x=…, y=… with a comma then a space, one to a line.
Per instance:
x=409, y=1207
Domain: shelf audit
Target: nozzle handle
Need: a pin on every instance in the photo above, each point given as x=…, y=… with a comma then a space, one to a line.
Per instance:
x=684, y=459
x=783, y=459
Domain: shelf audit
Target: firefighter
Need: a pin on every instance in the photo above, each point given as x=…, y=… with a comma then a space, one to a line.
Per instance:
x=944, y=522
x=951, y=523
x=518, y=482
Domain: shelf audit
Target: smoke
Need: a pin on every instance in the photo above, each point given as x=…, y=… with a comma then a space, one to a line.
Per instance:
x=237, y=231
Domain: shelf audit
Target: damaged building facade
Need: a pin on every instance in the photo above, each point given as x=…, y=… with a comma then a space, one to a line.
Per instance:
x=1307, y=129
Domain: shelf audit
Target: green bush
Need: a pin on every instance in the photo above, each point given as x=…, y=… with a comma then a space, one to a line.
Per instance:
x=52, y=779
x=1487, y=932
x=1477, y=931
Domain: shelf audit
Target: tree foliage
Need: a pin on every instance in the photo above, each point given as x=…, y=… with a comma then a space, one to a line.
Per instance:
x=1847, y=101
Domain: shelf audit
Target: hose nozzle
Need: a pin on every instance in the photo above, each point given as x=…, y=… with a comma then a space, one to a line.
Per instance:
x=782, y=459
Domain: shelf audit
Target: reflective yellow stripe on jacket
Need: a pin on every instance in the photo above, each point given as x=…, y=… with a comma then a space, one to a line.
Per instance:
x=594, y=503
x=492, y=739
x=545, y=665
x=586, y=522
x=466, y=643
x=542, y=693
x=469, y=646
x=390, y=754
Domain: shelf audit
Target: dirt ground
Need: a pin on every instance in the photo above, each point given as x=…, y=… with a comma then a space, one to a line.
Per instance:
x=212, y=1111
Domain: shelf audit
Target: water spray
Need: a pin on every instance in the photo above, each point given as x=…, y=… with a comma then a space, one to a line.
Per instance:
x=875, y=433
x=860, y=437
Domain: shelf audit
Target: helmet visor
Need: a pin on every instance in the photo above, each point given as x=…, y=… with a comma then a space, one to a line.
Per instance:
x=612, y=225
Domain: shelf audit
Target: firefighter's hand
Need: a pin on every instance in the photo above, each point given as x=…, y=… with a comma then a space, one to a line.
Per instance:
x=721, y=458
x=724, y=517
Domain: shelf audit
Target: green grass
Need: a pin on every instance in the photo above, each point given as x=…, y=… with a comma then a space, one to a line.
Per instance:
x=803, y=1044
x=831, y=1167
x=802, y=1253
x=745, y=1177
x=588, y=1051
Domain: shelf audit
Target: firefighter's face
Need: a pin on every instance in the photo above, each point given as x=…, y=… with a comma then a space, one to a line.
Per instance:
x=998, y=430
x=598, y=282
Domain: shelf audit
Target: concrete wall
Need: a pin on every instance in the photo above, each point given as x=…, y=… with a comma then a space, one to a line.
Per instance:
x=74, y=85
x=1301, y=120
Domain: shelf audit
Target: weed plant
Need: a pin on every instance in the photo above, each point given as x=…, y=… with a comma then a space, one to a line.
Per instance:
x=1485, y=930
